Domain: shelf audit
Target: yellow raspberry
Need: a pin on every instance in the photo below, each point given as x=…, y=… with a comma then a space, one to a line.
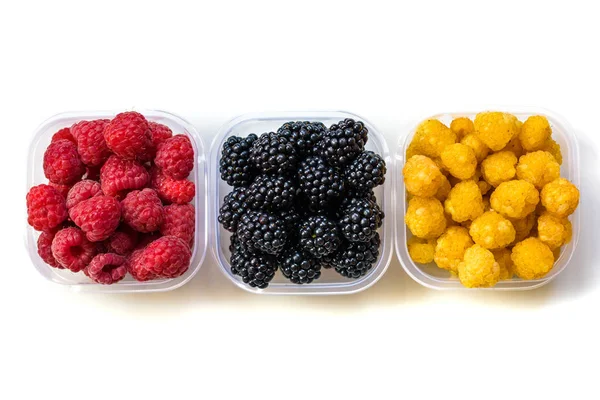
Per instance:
x=560, y=197
x=461, y=127
x=450, y=248
x=502, y=257
x=538, y=168
x=515, y=199
x=499, y=167
x=495, y=129
x=523, y=226
x=535, y=132
x=492, y=231
x=553, y=148
x=479, y=268
x=425, y=217
x=532, y=259
x=484, y=187
x=422, y=176
x=412, y=150
x=421, y=250
x=479, y=148
x=464, y=202
x=432, y=136
x=553, y=230
x=486, y=203
x=515, y=147
x=444, y=190
x=459, y=160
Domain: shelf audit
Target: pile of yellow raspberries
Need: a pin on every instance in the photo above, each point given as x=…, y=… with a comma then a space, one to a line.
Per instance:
x=485, y=198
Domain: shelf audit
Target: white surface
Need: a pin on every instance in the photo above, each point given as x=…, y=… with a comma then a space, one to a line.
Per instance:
x=213, y=61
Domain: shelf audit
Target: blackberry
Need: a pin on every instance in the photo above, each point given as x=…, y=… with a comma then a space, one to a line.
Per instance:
x=343, y=142
x=305, y=135
x=235, y=166
x=298, y=266
x=290, y=217
x=320, y=183
x=319, y=236
x=255, y=269
x=272, y=192
x=262, y=231
x=235, y=204
x=328, y=260
x=356, y=259
x=274, y=153
x=365, y=172
x=360, y=220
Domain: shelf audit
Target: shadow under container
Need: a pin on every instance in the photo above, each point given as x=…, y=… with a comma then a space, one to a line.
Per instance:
x=436, y=278
x=80, y=282
x=330, y=282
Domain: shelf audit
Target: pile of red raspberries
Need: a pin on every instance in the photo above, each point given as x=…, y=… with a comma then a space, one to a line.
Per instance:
x=117, y=200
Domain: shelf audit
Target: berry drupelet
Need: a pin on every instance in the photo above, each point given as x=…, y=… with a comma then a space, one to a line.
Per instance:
x=354, y=260
x=320, y=183
x=360, y=220
x=298, y=266
x=272, y=192
x=304, y=135
x=235, y=166
x=255, y=269
x=319, y=236
x=274, y=153
x=262, y=231
x=366, y=172
x=343, y=142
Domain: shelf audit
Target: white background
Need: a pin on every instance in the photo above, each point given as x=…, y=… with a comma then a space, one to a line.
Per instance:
x=211, y=61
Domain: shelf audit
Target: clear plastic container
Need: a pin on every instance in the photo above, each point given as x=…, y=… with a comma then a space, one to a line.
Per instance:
x=78, y=281
x=330, y=282
x=436, y=278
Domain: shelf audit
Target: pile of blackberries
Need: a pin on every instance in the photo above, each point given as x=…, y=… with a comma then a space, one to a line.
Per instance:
x=302, y=200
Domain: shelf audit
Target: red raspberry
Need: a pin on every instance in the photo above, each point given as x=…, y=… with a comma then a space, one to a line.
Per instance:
x=46, y=208
x=98, y=217
x=179, y=221
x=72, y=250
x=159, y=133
x=44, y=249
x=90, y=141
x=64, y=133
x=81, y=191
x=62, y=164
x=175, y=157
x=143, y=210
x=128, y=136
x=135, y=269
x=167, y=257
x=117, y=176
x=107, y=268
x=62, y=189
x=123, y=241
x=171, y=190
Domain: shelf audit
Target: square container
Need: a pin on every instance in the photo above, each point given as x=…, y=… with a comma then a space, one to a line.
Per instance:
x=436, y=278
x=35, y=176
x=330, y=281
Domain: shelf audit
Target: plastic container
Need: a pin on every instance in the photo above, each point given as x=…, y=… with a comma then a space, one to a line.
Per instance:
x=78, y=281
x=330, y=281
x=436, y=278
